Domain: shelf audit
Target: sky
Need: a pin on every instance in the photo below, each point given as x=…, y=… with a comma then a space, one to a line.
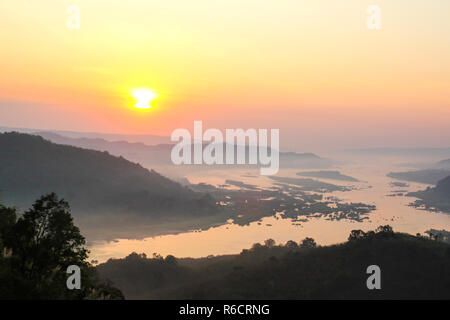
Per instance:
x=312, y=69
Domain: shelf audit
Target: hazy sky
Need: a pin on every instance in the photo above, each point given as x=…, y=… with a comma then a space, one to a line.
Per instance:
x=310, y=68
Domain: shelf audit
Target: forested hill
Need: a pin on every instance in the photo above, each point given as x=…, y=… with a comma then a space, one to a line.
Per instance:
x=443, y=186
x=411, y=267
x=93, y=182
x=437, y=198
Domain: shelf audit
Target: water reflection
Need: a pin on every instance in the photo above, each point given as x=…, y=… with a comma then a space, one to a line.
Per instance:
x=375, y=188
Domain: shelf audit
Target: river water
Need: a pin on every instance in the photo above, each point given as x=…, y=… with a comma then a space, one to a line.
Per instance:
x=374, y=188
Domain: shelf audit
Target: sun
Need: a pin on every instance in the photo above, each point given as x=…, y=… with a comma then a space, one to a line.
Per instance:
x=143, y=98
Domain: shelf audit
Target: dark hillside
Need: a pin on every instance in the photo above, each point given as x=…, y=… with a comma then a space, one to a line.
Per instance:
x=93, y=182
x=411, y=267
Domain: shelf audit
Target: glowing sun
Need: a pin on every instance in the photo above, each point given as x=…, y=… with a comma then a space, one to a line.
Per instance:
x=143, y=98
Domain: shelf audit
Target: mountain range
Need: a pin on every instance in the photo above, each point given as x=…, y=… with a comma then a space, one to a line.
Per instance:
x=159, y=155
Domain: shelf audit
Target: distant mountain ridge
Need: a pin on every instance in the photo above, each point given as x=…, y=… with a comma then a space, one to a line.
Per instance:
x=443, y=164
x=159, y=155
x=429, y=176
x=149, y=139
x=133, y=151
x=391, y=151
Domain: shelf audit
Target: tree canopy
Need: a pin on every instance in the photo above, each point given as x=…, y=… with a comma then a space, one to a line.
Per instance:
x=38, y=247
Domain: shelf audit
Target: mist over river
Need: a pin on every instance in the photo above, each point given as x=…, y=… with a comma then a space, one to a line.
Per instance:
x=373, y=188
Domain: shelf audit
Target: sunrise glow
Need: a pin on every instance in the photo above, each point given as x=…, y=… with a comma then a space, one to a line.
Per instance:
x=143, y=98
x=241, y=65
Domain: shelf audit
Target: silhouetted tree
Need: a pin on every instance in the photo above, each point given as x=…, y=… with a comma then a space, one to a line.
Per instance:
x=256, y=247
x=48, y=239
x=356, y=235
x=41, y=244
x=8, y=217
x=308, y=243
x=384, y=229
x=269, y=243
x=291, y=244
x=170, y=259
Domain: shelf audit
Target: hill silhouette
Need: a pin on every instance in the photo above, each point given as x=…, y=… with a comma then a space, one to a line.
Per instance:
x=95, y=183
x=437, y=198
x=429, y=176
x=411, y=267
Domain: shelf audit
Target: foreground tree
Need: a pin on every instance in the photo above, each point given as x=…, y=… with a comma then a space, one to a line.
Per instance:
x=8, y=217
x=40, y=247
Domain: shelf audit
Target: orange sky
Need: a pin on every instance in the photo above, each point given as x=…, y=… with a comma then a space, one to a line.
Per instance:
x=310, y=68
